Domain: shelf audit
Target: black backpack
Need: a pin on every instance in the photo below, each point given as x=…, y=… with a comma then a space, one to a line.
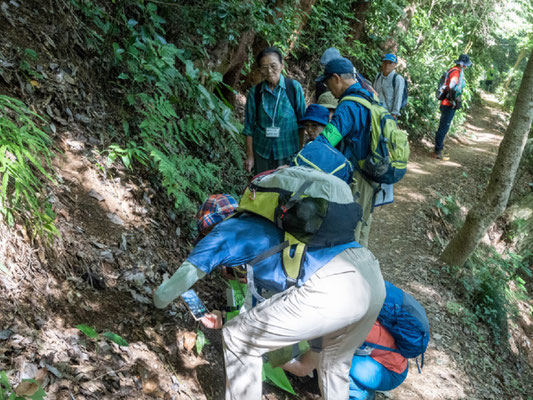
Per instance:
x=291, y=94
x=442, y=89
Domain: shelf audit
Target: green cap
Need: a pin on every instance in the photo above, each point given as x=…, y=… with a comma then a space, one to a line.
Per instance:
x=327, y=100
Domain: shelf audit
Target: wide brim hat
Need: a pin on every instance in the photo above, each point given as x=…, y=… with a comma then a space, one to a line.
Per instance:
x=463, y=60
x=316, y=113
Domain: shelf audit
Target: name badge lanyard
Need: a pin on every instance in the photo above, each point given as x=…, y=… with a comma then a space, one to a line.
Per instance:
x=276, y=109
x=273, y=131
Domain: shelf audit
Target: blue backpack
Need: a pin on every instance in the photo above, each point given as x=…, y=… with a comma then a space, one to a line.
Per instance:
x=405, y=319
x=322, y=156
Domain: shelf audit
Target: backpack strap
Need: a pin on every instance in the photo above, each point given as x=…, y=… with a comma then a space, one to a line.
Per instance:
x=380, y=347
x=291, y=94
x=250, y=267
x=289, y=89
x=258, y=97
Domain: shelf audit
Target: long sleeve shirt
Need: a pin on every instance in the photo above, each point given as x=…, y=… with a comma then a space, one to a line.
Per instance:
x=351, y=125
x=390, y=91
x=283, y=116
x=237, y=241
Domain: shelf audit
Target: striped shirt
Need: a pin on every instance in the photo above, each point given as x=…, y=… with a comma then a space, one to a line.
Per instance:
x=288, y=141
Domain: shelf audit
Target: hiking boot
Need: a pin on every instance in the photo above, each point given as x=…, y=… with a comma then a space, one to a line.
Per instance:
x=439, y=155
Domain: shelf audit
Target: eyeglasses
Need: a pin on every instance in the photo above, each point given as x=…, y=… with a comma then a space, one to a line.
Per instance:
x=271, y=67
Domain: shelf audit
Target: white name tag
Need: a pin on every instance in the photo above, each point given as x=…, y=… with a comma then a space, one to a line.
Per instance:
x=272, y=131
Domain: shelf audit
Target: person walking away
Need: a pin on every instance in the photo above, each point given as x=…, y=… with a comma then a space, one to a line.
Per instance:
x=390, y=85
x=273, y=109
x=491, y=75
x=350, y=131
x=455, y=84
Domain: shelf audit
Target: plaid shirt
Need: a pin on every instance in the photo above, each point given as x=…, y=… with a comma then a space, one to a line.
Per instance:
x=287, y=143
x=214, y=210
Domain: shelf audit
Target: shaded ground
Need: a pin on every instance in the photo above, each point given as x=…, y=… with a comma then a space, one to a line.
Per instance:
x=118, y=243
x=406, y=237
x=119, y=240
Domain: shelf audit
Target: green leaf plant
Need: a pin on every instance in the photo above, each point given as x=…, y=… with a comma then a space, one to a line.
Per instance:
x=91, y=333
x=25, y=168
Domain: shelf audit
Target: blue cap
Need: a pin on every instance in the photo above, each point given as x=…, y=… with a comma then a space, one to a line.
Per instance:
x=337, y=66
x=390, y=57
x=316, y=113
x=330, y=54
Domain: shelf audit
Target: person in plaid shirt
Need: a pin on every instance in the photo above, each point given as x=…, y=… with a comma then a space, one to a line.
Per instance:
x=272, y=131
x=215, y=209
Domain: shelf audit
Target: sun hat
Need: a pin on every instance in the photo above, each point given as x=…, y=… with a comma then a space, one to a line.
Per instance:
x=327, y=100
x=463, y=60
x=390, y=57
x=215, y=209
x=316, y=113
x=337, y=66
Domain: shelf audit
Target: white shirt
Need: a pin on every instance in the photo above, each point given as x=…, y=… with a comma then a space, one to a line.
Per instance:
x=390, y=96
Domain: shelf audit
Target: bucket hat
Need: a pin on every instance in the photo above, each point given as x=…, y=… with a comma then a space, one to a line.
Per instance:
x=316, y=113
x=463, y=60
x=215, y=209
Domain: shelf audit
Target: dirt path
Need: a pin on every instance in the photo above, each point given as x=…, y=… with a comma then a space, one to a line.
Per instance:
x=118, y=243
x=403, y=238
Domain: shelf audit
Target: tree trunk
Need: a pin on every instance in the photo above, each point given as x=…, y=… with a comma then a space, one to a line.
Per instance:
x=305, y=7
x=361, y=8
x=238, y=57
x=494, y=200
x=521, y=55
x=391, y=44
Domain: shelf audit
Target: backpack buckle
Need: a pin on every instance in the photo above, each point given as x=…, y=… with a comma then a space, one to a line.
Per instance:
x=251, y=196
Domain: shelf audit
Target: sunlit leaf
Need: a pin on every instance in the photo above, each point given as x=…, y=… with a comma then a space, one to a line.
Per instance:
x=115, y=338
x=201, y=341
x=87, y=330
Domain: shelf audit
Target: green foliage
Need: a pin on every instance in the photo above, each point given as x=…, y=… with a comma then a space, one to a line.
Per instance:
x=115, y=338
x=91, y=333
x=450, y=209
x=8, y=393
x=277, y=377
x=491, y=284
x=175, y=124
x=201, y=341
x=28, y=57
x=25, y=159
x=88, y=331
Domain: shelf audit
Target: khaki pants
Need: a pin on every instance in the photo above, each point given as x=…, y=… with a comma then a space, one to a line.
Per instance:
x=363, y=194
x=339, y=303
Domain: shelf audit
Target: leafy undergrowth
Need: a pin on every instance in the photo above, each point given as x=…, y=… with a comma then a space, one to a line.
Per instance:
x=120, y=236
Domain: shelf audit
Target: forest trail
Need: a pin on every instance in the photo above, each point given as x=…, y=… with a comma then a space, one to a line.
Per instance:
x=118, y=243
x=405, y=238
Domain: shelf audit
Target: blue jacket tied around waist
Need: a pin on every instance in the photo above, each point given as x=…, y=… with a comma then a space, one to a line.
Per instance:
x=237, y=241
